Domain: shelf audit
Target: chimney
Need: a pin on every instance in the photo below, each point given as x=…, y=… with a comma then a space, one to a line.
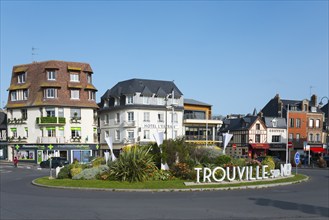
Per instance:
x=314, y=100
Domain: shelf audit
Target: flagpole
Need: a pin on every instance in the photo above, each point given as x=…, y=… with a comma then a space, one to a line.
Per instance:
x=287, y=149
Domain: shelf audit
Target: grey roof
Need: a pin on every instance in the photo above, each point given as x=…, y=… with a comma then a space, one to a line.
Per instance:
x=281, y=122
x=238, y=123
x=3, y=120
x=325, y=109
x=145, y=87
x=194, y=102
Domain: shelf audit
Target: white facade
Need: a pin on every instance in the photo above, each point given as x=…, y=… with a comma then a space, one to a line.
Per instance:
x=140, y=118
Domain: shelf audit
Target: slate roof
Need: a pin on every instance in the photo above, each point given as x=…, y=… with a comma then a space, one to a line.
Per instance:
x=3, y=120
x=281, y=122
x=144, y=86
x=236, y=124
x=195, y=102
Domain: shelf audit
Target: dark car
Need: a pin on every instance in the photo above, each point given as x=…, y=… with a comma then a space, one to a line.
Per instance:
x=55, y=162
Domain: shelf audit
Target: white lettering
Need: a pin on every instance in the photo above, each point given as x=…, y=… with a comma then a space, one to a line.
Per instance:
x=230, y=178
x=198, y=174
x=214, y=174
x=241, y=171
x=206, y=175
x=250, y=174
x=264, y=172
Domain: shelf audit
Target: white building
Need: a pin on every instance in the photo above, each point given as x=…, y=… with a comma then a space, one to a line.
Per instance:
x=134, y=110
x=52, y=111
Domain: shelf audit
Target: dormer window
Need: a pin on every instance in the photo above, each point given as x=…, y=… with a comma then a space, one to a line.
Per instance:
x=130, y=99
x=89, y=78
x=274, y=123
x=51, y=75
x=21, y=77
x=74, y=77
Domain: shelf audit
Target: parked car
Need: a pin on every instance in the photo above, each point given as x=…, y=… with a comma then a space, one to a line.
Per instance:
x=55, y=162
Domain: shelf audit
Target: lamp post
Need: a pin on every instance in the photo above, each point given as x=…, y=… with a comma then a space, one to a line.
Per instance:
x=327, y=121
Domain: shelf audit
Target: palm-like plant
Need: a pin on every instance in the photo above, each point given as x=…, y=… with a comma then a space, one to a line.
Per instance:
x=135, y=164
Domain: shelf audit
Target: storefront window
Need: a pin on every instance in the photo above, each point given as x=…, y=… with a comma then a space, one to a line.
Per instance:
x=81, y=155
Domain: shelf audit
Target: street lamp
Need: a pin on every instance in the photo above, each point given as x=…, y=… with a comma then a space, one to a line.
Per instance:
x=327, y=122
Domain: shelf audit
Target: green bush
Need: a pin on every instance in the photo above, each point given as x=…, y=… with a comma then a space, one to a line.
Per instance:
x=98, y=161
x=75, y=171
x=268, y=160
x=91, y=173
x=222, y=160
x=182, y=171
x=135, y=164
x=64, y=173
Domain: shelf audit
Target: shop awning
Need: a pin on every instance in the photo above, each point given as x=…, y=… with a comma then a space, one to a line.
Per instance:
x=317, y=149
x=260, y=146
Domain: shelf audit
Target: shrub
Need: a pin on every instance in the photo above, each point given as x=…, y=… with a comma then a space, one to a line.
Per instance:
x=182, y=170
x=133, y=165
x=269, y=162
x=98, y=161
x=222, y=160
x=75, y=171
x=163, y=175
x=91, y=173
x=64, y=173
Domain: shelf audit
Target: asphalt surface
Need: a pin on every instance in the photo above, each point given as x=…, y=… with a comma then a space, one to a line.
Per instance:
x=19, y=199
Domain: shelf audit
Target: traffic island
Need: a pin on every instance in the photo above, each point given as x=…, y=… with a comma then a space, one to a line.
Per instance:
x=164, y=186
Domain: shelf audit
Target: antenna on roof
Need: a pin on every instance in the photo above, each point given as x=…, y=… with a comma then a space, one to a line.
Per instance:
x=34, y=53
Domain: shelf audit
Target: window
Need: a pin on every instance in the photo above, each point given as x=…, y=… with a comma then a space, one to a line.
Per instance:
x=160, y=117
x=291, y=137
x=305, y=107
x=297, y=137
x=61, y=131
x=74, y=77
x=117, y=117
x=257, y=126
x=75, y=94
x=107, y=134
x=317, y=138
x=51, y=75
x=130, y=116
x=50, y=112
x=25, y=94
x=175, y=117
x=311, y=123
x=310, y=137
x=117, y=135
x=130, y=99
x=13, y=96
x=146, y=100
x=75, y=113
x=106, y=119
x=51, y=132
x=89, y=78
x=243, y=138
x=146, y=134
x=14, y=132
x=26, y=132
x=21, y=77
x=275, y=138
x=91, y=95
x=116, y=101
x=60, y=112
x=161, y=101
x=291, y=122
x=317, y=123
x=274, y=123
x=24, y=113
x=257, y=138
x=298, y=124
x=75, y=132
x=146, y=117
x=131, y=135
x=50, y=93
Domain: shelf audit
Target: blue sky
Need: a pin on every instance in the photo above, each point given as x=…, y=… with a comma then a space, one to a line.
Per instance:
x=234, y=55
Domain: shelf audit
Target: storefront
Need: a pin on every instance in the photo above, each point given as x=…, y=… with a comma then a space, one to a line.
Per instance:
x=38, y=153
x=278, y=150
x=258, y=149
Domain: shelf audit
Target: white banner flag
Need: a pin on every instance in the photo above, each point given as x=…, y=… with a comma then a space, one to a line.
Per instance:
x=159, y=139
x=109, y=143
x=227, y=137
x=106, y=155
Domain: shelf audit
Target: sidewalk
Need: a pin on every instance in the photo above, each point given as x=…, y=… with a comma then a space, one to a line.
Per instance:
x=20, y=164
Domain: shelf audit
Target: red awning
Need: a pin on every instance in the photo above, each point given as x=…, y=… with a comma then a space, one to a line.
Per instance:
x=318, y=149
x=260, y=146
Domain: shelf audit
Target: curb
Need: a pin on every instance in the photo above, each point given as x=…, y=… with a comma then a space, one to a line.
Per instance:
x=176, y=190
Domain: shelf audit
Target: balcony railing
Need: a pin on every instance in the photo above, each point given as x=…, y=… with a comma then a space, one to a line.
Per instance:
x=49, y=140
x=129, y=124
x=50, y=120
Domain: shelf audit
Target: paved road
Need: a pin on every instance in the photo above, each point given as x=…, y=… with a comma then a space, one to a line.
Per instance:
x=19, y=199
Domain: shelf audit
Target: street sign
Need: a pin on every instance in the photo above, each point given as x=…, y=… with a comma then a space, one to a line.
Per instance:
x=290, y=144
x=297, y=158
x=234, y=146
